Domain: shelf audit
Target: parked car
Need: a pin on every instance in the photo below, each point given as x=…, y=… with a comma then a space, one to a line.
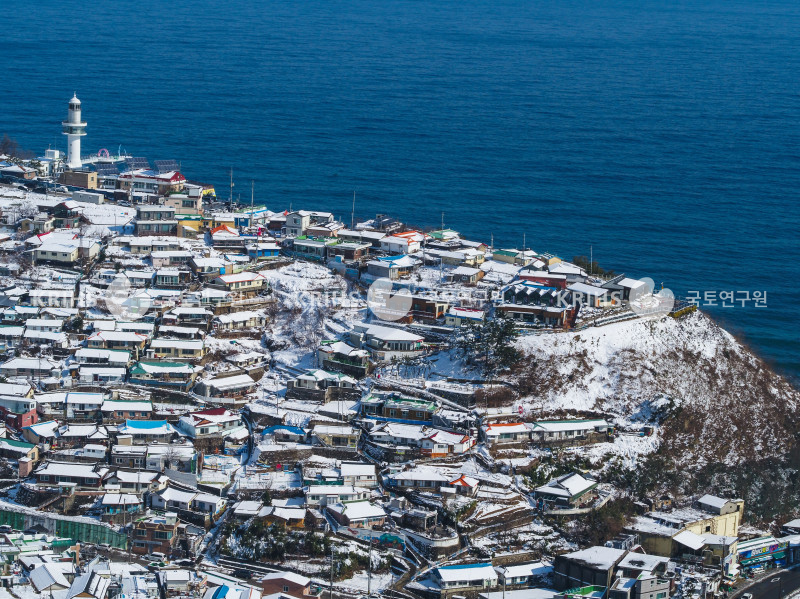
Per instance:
x=156, y=556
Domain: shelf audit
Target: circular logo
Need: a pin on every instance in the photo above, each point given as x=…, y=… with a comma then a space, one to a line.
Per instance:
x=122, y=303
x=647, y=303
x=387, y=303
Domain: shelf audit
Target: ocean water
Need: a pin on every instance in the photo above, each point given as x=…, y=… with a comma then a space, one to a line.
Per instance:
x=662, y=135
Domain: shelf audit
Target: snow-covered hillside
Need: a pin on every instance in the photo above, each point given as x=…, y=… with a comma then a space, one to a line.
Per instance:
x=719, y=402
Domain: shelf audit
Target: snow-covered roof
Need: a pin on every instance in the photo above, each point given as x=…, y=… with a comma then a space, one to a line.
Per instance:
x=466, y=572
x=292, y=577
x=598, y=556
x=689, y=539
x=358, y=510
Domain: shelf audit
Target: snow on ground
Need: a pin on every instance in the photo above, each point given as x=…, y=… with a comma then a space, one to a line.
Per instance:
x=380, y=581
x=599, y=366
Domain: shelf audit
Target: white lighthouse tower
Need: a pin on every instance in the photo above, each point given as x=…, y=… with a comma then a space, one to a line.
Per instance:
x=74, y=128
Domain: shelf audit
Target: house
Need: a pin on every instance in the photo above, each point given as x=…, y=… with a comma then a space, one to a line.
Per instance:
x=173, y=278
x=103, y=357
x=645, y=586
x=465, y=576
x=243, y=284
x=298, y=222
x=383, y=405
x=137, y=481
x=408, y=242
x=434, y=479
x=262, y=250
x=176, y=349
x=147, y=431
x=44, y=432
x=386, y=343
x=466, y=274
x=567, y=491
x=155, y=533
x=458, y=317
x=126, y=409
x=210, y=422
x=91, y=585
x=428, y=309
x=392, y=267
x=288, y=517
x=172, y=498
x=338, y=356
x=14, y=450
x=74, y=435
x=348, y=251
x=358, y=474
x=101, y=375
x=188, y=316
x=312, y=249
x=83, y=406
x=35, y=368
x=323, y=386
x=174, y=455
x=52, y=298
x=336, y=435
x=559, y=431
x=659, y=530
x=240, y=320
x=84, y=476
x=588, y=295
x=120, y=503
x=48, y=577
x=440, y=444
x=594, y=566
x=229, y=590
x=118, y=340
x=18, y=412
x=357, y=514
x=164, y=374
x=516, y=575
x=496, y=433
x=295, y=585
x=323, y=495
x=152, y=182
x=226, y=389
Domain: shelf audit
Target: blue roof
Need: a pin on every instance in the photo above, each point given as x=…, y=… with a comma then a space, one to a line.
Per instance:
x=464, y=566
x=284, y=427
x=146, y=424
x=221, y=592
x=391, y=258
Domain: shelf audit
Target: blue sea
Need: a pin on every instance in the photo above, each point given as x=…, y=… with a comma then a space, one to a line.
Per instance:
x=663, y=136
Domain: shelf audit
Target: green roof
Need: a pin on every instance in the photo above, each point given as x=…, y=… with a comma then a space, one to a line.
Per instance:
x=14, y=443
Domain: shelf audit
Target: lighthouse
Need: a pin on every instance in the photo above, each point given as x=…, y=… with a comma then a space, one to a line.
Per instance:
x=74, y=128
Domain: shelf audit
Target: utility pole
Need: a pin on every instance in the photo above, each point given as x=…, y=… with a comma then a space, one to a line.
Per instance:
x=252, y=199
x=369, y=567
x=230, y=195
x=353, y=212
x=330, y=589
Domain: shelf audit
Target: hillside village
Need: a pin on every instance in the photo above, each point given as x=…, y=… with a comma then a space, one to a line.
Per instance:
x=200, y=400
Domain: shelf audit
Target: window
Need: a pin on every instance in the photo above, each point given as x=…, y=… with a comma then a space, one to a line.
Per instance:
x=285, y=589
x=141, y=532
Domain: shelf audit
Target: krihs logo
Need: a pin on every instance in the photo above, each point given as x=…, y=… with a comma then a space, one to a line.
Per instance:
x=122, y=304
x=649, y=304
x=387, y=303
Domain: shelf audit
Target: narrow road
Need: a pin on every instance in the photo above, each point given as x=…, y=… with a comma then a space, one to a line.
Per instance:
x=776, y=585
